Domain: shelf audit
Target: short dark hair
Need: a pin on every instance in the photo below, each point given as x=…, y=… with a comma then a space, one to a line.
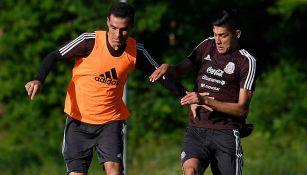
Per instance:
x=228, y=18
x=122, y=10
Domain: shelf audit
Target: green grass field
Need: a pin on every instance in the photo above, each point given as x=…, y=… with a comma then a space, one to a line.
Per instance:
x=160, y=156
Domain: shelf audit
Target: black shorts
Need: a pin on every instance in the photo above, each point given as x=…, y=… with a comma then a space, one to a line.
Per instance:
x=220, y=148
x=80, y=139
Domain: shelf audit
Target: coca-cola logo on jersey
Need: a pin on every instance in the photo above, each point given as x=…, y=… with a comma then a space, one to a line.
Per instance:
x=217, y=72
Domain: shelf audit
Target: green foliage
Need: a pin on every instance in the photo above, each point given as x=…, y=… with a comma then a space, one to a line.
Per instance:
x=289, y=17
x=149, y=18
x=282, y=99
x=278, y=111
x=287, y=7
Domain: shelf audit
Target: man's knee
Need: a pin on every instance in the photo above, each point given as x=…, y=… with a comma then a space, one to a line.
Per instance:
x=113, y=168
x=190, y=171
x=76, y=173
x=191, y=167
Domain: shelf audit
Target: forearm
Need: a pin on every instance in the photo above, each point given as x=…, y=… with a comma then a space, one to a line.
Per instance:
x=235, y=109
x=182, y=68
x=173, y=85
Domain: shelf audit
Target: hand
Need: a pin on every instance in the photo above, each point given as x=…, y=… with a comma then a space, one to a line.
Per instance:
x=194, y=98
x=33, y=88
x=195, y=106
x=159, y=72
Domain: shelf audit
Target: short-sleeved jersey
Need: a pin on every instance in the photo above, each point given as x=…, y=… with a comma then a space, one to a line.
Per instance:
x=222, y=76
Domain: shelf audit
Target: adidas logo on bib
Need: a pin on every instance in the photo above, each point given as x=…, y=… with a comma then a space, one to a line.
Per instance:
x=109, y=77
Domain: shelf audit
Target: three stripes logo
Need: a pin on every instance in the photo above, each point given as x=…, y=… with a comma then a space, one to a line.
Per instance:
x=109, y=77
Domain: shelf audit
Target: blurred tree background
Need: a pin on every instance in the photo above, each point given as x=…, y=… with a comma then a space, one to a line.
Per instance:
x=31, y=131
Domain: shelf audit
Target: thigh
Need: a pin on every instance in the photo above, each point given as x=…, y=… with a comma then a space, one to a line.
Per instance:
x=110, y=143
x=194, y=146
x=228, y=158
x=77, y=147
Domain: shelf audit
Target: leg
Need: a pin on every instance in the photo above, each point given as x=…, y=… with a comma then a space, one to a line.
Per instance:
x=195, y=155
x=225, y=164
x=77, y=148
x=113, y=168
x=192, y=167
x=228, y=157
x=110, y=148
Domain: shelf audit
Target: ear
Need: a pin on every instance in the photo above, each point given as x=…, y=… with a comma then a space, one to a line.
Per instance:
x=238, y=34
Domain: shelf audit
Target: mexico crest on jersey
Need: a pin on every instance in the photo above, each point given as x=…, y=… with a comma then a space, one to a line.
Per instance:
x=230, y=68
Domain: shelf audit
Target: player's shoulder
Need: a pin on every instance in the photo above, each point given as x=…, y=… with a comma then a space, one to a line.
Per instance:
x=245, y=55
x=209, y=39
x=86, y=36
x=89, y=35
x=140, y=47
x=243, y=58
x=205, y=42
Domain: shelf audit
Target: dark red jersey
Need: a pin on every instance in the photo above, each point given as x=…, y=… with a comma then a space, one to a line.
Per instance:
x=222, y=76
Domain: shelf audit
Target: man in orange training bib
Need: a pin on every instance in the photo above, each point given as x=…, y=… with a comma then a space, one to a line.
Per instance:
x=95, y=110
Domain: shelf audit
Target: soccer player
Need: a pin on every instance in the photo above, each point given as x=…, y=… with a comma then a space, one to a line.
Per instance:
x=95, y=110
x=220, y=101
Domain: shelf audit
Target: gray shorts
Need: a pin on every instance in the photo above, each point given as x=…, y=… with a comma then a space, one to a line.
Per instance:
x=220, y=148
x=80, y=139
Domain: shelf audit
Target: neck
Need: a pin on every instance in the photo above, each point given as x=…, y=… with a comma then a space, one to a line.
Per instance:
x=115, y=52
